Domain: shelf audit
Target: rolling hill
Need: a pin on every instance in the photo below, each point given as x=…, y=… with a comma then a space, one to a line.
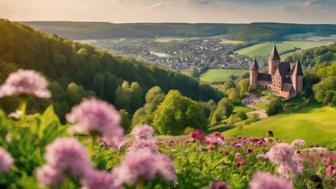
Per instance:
x=315, y=124
x=243, y=32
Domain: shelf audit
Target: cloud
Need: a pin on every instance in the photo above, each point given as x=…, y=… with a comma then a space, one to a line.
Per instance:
x=301, y=4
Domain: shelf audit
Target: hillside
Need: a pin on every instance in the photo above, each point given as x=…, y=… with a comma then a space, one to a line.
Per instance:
x=315, y=56
x=77, y=70
x=314, y=124
x=244, y=32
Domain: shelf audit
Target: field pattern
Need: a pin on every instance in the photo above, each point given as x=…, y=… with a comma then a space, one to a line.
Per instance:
x=221, y=74
x=263, y=49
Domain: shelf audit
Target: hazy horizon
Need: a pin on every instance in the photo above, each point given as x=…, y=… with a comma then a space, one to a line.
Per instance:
x=171, y=11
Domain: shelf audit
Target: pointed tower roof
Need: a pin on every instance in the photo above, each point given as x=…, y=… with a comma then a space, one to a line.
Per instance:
x=254, y=65
x=297, y=70
x=275, y=55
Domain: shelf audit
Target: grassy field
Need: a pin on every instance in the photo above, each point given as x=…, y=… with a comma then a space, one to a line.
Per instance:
x=168, y=39
x=264, y=49
x=221, y=74
x=231, y=42
x=314, y=124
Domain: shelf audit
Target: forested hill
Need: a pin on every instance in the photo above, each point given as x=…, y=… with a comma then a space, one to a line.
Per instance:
x=78, y=70
x=316, y=56
x=246, y=32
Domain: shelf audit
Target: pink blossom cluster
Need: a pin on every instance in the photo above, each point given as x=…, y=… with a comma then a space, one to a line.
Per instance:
x=25, y=82
x=263, y=180
x=66, y=156
x=95, y=116
x=215, y=138
x=197, y=135
x=137, y=165
x=285, y=157
x=142, y=132
x=6, y=161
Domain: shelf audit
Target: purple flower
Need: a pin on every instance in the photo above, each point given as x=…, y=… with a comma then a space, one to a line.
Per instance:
x=143, y=165
x=25, y=82
x=68, y=155
x=6, y=161
x=263, y=180
x=142, y=132
x=49, y=176
x=218, y=185
x=144, y=145
x=92, y=116
x=99, y=180
x=284, y=156
x=298, y=142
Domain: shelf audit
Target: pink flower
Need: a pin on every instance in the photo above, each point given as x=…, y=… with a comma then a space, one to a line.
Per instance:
x=142, y=132
x=197, y=135
x=239, y=160
x=68, y=155
x=263, y=180
x=49, y=176
x=99, y=180
x=298, y=142
x=6, y=161
x=143, y=165
x=144, y=145
x=218, y=185
x=284, y=155
x=215, y=138
x=92, y=116
x=25, y=82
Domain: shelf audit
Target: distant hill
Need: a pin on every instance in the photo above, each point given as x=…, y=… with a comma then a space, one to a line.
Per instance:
x=245, y=32
x=77, y=70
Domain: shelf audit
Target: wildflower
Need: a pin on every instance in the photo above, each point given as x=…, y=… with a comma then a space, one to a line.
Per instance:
x=263, y=180
x=144, y=165
x=197, y=135
x=144, y=145
x=284, y=155
x=298, y=142
x=239, y=160
x=99, y=179
x=25, y=82
x=249, y=151
x=218, y=185
x=215, y=138
x=92, y=116
x=49, y=176
x=68, y=155
x=142, y=132
x=6, y=161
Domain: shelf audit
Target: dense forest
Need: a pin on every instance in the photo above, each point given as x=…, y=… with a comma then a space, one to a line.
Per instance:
x=77, y=70
x=246, y=32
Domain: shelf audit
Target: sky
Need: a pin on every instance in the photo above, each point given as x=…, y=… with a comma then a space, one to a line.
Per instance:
x=192, y=11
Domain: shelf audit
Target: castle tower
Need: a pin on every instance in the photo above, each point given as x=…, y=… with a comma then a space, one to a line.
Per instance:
x=254, y=68
x=273, y=60
x=297, y=77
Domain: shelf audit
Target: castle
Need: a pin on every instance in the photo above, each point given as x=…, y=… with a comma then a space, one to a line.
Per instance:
x=284, y=78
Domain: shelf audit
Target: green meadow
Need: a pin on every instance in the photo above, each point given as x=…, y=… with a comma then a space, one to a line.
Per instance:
x=221, y=74
x=264, y=49
x=314, y=124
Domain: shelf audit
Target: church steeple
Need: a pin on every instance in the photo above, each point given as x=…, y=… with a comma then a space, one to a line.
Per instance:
x=275, y=55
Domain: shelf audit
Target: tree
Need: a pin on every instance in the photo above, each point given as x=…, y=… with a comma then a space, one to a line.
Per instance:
x=145, y=114
x=129, y=97
x=223, y=111
x=275, y=106
x=125, y=120
x=234, y=95
x=178, y=112
x=325, y=91
x=195, y=73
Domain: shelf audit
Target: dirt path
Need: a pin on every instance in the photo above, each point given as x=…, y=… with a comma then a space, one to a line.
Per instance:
x=250, y=101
